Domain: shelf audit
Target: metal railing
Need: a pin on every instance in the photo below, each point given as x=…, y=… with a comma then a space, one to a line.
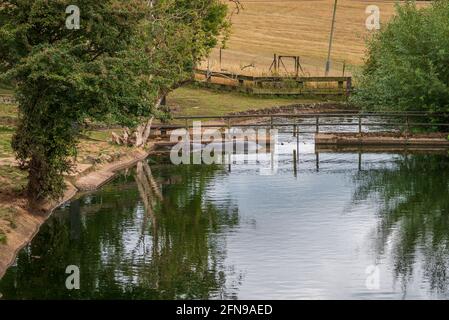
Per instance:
x=403, y=120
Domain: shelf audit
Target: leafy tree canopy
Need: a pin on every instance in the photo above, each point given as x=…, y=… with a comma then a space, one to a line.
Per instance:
x=124, y=56
x=407, y=66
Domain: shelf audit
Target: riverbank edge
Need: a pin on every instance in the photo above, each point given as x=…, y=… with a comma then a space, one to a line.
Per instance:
x=382, y=138
x=32, y=222
x=29, y=223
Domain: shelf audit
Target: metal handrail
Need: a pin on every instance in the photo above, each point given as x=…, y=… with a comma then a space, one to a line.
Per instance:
x=317, y=124
x=321, y=115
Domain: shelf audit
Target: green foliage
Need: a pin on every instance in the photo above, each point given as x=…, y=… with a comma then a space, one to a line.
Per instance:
x=2, y=237
x=407, y=67
x=125, y=56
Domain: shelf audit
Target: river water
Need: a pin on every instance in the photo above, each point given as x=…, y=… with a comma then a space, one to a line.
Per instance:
x=332, y=226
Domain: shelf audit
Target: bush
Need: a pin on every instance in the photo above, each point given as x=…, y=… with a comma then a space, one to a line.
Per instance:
x=407, y=65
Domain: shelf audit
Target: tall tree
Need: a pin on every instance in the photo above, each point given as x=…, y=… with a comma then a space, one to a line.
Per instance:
x=124, y=56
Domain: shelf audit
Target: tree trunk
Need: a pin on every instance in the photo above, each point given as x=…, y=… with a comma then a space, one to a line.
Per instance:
x=142, y=133
x=139, y=137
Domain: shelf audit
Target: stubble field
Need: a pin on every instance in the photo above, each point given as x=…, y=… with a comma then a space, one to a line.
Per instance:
x=298, y=27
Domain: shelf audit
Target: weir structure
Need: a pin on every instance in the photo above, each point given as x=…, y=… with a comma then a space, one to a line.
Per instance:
x=354, y=128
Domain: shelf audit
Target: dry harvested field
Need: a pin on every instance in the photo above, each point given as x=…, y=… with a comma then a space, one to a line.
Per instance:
x=298, y=27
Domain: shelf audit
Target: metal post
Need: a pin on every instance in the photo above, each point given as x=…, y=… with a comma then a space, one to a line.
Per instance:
x=296, y=67
x=295, y=168
x=360, y=161
x=275, y=63
x=328, y=62
x=407, y=123
x=297, y=143
x=317, y=124
x=360, y=124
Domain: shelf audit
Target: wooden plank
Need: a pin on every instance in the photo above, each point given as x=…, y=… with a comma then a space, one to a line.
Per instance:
x=272, y=78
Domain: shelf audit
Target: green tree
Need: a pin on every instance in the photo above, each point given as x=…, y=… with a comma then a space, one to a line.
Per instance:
x=407, y=64
x=123, y=58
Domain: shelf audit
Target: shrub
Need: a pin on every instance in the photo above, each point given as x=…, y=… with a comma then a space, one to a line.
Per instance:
x=407, y=64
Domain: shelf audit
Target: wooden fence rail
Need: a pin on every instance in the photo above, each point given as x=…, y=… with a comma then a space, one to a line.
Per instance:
x=277, y=84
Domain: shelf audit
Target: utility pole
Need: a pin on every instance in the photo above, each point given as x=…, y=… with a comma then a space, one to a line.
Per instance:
x=328, y=62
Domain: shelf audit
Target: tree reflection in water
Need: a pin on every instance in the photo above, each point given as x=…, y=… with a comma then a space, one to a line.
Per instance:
x=413, y=198
x=139, y=237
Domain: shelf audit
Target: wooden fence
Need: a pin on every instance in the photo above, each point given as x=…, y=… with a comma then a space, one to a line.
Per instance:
x=276, y=85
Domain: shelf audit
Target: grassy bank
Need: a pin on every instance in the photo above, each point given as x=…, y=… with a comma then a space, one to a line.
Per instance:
x=5, y=89
x=94, y=149
x=5, y=141
x=12, y=182
x=192, y=101
x=8, y=110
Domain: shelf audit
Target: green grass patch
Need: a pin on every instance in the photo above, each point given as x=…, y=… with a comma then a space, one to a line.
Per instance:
x=6, y=90
x=8, y=217
x=193, y=101
x=8, y=214
x=12, y=179
x=2, y=237
x=103, y=135
x=8, y=110
x=6, y=129
x=5, y=142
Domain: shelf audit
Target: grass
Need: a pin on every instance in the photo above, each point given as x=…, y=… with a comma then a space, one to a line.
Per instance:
x=12, y=179
x=5, y=90
x=103, y=135
x=96, y=145
x=8, y=214
x=298, y=28
x=8, y=220
x=2, y=237
x=8, y=110
x=192, y=101
x=5, y=141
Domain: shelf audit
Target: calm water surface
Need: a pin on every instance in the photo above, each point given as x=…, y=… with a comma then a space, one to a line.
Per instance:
x=351, y=227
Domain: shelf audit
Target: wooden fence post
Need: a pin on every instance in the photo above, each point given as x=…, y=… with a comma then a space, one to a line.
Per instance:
x=348, y=86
